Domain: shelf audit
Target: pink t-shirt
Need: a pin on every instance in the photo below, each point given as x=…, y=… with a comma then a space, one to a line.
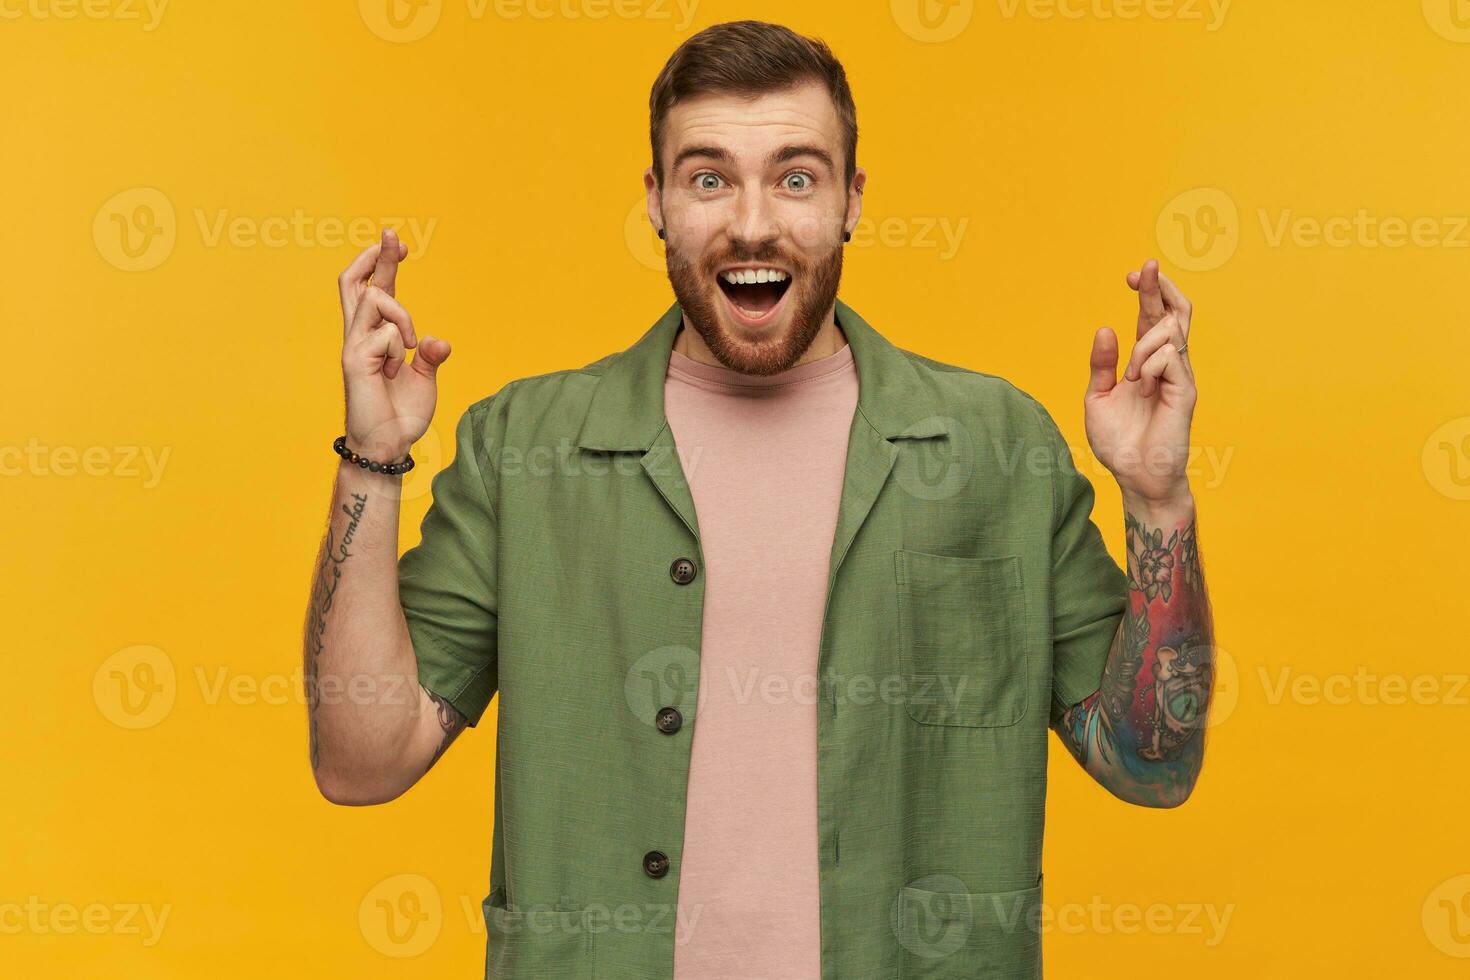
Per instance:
x=764, y=456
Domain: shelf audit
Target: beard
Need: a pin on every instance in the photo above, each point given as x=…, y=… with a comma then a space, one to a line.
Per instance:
x=813, y=290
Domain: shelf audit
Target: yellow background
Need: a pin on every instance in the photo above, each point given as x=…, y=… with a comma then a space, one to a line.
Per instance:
x=1064, y=150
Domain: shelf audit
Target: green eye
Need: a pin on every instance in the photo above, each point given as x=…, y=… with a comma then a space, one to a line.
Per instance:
x=707, y=182
x=805, y=180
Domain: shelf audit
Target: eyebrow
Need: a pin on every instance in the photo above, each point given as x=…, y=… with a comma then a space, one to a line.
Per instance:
x=784, y=154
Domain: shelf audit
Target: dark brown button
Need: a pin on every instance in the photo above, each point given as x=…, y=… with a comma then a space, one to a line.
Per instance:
x=655, y=864
x=668, y=720
x=683, y=570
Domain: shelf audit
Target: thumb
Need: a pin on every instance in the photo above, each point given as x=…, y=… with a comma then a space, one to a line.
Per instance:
x=432, y=352
x=1104, y=362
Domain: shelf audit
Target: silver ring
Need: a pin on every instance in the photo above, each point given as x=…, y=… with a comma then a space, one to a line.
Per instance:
x=1180, y=347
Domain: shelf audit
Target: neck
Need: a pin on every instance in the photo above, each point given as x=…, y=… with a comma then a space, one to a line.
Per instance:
x=828, y=341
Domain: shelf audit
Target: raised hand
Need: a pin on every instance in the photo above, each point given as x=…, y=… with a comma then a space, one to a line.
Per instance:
x=390, y=401
x=1138, y=426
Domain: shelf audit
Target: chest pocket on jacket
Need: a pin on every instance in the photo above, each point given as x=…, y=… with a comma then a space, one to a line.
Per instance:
x=961, y=636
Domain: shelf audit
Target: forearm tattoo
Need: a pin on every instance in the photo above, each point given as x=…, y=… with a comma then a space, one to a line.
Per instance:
x=335, y=554
x=1142, y=731
x=451, y=722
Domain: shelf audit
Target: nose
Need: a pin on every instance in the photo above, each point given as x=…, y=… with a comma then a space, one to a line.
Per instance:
x=753, y=223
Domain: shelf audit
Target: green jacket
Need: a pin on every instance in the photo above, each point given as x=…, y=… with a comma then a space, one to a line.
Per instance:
x=970, y=600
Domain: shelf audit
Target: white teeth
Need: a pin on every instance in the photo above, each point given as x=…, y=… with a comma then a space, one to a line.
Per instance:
x=742, y=276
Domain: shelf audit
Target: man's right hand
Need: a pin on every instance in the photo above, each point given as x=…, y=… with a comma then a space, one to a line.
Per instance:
x=388, y=407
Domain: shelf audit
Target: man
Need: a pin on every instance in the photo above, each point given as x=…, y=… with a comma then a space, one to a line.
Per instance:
x=774, y=695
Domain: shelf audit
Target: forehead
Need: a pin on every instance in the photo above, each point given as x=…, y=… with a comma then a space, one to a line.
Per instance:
x=749, y=126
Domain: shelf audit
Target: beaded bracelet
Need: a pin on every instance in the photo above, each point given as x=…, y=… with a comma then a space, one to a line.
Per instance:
x=392, y=469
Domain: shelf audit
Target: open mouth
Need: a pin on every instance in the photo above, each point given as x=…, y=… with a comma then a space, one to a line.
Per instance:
x=754, y=293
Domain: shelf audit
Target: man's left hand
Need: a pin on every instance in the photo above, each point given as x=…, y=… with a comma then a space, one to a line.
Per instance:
x=1138, y=427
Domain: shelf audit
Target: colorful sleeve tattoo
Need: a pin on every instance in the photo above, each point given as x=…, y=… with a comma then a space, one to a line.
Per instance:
x=1141, y=734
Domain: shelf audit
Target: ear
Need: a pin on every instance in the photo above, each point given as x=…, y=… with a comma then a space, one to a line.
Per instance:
x=655, y=201
x=855, y=198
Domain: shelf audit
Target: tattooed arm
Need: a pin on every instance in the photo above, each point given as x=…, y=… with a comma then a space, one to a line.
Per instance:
x=373, y=730
x=1141, y=735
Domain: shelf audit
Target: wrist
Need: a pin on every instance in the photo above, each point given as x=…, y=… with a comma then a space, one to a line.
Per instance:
x=1174, y=508
x=389, y=463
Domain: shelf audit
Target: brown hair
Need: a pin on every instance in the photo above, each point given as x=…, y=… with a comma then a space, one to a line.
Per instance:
x=749, y=57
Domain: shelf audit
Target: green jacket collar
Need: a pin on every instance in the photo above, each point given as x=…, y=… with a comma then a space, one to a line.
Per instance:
x=626, y=411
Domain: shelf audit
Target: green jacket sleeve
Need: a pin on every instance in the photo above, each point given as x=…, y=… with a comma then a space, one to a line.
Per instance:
x=1089, y=592
x=447, y=582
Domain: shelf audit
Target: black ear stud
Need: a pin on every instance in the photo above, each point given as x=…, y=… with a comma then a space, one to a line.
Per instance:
x=660, y=234
x=847, y=236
